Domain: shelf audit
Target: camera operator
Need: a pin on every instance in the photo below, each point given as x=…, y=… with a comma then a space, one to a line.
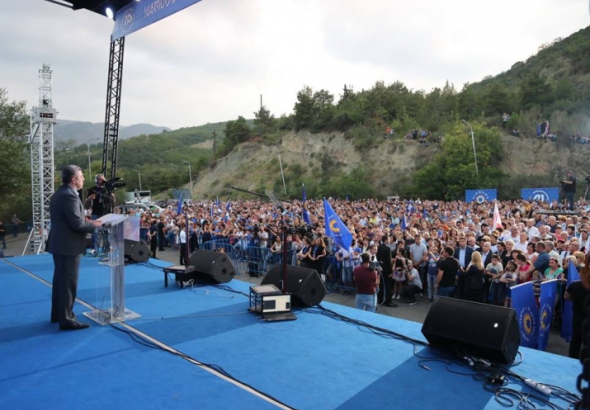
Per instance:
x=367, y=282
x=569, y=188
x=98, y=200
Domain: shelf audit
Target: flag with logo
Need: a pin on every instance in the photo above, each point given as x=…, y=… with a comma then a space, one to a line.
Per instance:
x=404, y=223
x=335, y=228
x=179, y=210
x=228, y=206
x=546, y=308
x=527, y=313
x=568, y=311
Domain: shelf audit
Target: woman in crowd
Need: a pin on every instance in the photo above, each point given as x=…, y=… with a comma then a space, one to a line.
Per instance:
x=433, y=258
x=304, y=254
x=474, y=278
x=399, y=271
x=531, y=254
x=276, y=250
x=317, y=255
x=523, y=266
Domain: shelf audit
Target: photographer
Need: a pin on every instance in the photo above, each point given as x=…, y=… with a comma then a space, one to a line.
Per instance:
x=99, y=200
x=569, y=189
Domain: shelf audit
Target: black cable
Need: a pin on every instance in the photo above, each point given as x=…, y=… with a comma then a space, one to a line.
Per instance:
x=141, y=340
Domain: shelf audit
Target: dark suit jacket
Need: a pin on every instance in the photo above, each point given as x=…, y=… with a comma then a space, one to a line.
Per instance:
x=468, y=252
x=384, y=256
x=68, y=227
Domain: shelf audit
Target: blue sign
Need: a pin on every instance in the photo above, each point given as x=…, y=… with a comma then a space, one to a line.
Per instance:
x=138, y=15
x=480, y=195
x=540, y=194
x=547, y=304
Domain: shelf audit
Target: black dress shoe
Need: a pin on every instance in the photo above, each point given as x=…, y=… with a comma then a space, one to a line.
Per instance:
x=390, y=304
x=74, y=326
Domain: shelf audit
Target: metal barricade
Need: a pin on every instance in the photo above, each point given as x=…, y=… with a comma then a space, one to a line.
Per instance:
x=252, y=260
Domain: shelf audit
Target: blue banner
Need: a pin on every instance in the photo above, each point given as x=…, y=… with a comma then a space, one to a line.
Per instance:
x=547, y=195
x=527, y=313
x=480, y=195
x=568, y=309
x=547, y=306
x=335, y=229
x=138, y=15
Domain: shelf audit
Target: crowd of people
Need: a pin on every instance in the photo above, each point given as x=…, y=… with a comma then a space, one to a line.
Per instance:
x=418, y=248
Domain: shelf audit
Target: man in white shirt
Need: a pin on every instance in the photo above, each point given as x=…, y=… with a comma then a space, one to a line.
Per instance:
x=182, y=243
x=522, y=243
x=531, y=229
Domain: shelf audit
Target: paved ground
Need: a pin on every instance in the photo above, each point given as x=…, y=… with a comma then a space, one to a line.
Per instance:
x=415, y=313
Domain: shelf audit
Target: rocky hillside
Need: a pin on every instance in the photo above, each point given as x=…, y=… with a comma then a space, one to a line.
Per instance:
x=254, y=166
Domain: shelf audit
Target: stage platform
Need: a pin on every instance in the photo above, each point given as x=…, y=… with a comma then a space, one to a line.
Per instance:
x=315, y=362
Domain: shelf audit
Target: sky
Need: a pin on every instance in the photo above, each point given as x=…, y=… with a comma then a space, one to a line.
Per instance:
x=213, y=60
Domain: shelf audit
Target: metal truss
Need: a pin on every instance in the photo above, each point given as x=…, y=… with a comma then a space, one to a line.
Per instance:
x=43, y=119
x=113, y=109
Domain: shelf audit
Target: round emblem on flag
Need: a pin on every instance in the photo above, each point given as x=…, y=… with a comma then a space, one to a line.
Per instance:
x=333, y=226
x=480, y=197
x=527, y=322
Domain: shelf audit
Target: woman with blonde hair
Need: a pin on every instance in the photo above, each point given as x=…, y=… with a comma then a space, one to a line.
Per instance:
x=474, y=279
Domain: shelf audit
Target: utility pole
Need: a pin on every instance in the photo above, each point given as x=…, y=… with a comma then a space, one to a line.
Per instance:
x=214, y=144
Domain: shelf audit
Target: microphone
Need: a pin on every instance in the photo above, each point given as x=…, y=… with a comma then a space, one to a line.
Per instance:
x=541, y=388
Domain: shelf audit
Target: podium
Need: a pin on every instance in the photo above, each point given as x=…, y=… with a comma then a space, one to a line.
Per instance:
x=113, y=311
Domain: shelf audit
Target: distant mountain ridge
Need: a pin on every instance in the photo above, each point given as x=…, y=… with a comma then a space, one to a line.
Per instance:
x=82, y=132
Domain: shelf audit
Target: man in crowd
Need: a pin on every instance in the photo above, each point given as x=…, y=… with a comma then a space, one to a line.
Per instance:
x=67, y=242
x=367, y=281
x=384, y=258
x=15, y=223
x=447, y=272
x=413, y=284
x=419, y=256
x=569, y=188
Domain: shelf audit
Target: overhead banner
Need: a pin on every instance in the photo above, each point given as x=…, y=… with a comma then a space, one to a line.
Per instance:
x=480, y=195
x=540, y=194
x=140, y=14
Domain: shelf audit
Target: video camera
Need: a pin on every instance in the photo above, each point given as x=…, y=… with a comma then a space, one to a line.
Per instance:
x=376, y=265
x=114, y=183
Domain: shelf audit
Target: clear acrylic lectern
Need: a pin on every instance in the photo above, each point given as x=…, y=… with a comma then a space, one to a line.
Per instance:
x=115, y=311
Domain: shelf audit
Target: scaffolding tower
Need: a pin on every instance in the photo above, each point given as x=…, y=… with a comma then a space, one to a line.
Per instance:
x=43, y=118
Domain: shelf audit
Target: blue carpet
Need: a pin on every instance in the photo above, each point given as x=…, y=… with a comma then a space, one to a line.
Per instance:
x=314, y=362
x=97, y=368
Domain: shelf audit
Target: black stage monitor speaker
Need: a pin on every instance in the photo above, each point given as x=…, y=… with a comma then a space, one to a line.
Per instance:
x=302, y=283
x=486, y=331
x=138, y=252
x=212, y=265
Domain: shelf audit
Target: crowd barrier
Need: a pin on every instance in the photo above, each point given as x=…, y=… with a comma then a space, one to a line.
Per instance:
x=246, y=259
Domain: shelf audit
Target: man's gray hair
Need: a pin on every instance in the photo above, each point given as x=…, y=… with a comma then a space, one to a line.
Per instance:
x=68, y=172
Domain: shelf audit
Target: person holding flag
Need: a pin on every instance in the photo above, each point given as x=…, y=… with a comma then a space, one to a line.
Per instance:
x=574, y=312
x=335, y=228
x=305, y=212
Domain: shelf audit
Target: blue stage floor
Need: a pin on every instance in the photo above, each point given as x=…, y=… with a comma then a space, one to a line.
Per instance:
x=315, y=362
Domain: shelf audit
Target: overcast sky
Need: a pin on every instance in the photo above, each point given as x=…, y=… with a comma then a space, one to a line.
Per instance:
x=212, y=61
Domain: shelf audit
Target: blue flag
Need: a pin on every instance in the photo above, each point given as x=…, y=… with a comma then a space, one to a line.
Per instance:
x=179, y=210
x=211, y=211
x=335, y=229
x=424, y=213
x=527, y=313
x=568, y=312
x=217, y=203
x=404, y=223
x=228, y=206
x=304, y=196
x=306, y=217
x=547, y=306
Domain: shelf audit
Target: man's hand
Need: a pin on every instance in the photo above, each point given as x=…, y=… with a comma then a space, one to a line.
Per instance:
x=96, y=223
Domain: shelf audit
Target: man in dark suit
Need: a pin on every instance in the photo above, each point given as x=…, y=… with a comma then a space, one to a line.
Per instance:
x=463, y=255
x=384, y=258
x=67, y=242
